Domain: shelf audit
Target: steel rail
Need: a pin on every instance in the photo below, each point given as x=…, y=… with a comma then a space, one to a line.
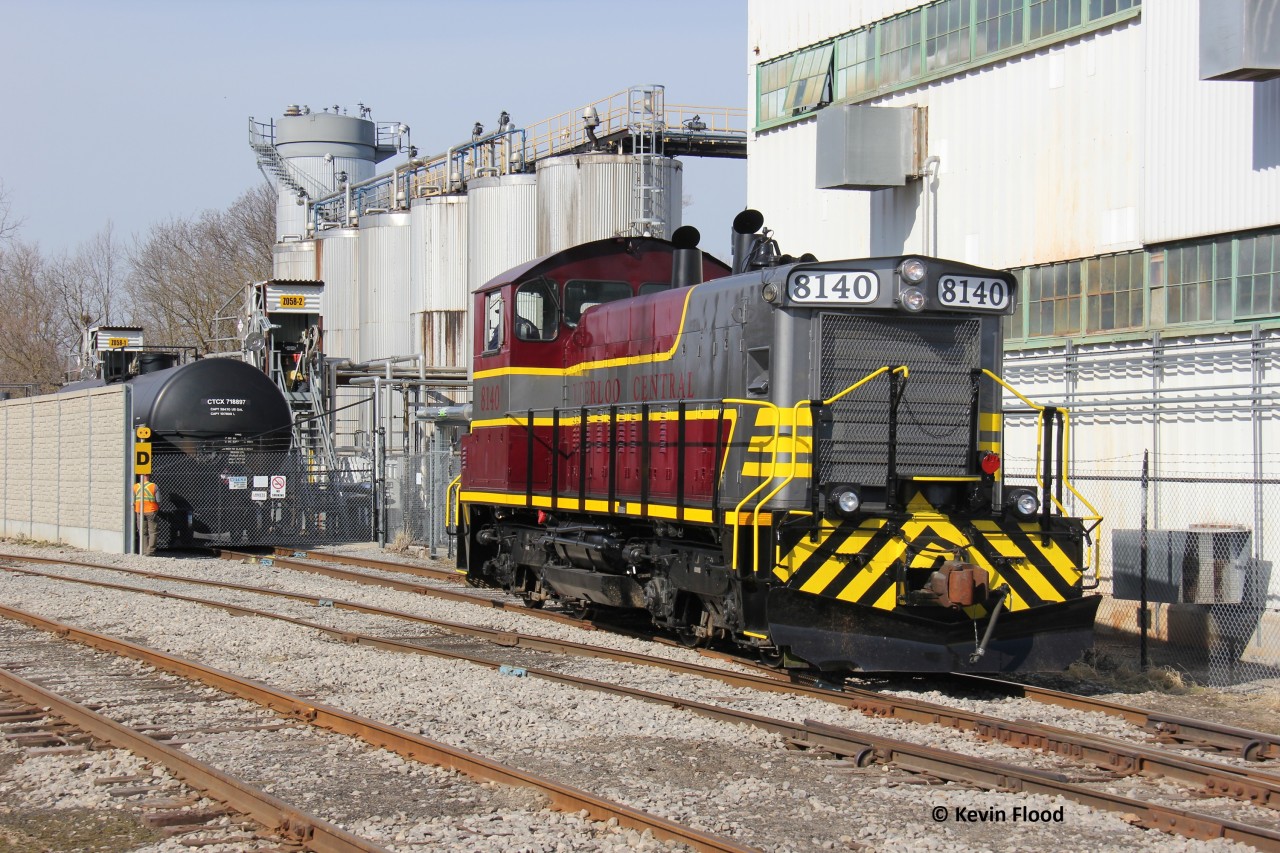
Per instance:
x=1212, y=778
x=275, y=814
x=862, y=747
x=381, y=735
x=1250, y=744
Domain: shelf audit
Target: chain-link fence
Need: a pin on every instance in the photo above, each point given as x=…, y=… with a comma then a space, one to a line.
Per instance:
x=227, y=497
x=1194, y=546
x=417, y=486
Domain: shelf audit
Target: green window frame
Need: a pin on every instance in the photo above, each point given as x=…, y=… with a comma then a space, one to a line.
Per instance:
x=1258, y=275
x=1114, y=292
x=947, y=39
x=795, y=84
x=935, y=40
x=1197, y=281
x=997, y=26
x=855, y=64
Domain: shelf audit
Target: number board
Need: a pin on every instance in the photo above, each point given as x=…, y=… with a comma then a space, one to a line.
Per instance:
x=117, y=343
x=973, y=293
x=289, y=300
x=833, y=287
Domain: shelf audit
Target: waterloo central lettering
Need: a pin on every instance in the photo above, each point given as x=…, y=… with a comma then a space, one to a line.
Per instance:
x=662, y=386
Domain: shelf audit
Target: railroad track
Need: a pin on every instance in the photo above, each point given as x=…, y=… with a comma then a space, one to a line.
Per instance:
x=1167, y=728
x=306, y=829
x=1120, y=759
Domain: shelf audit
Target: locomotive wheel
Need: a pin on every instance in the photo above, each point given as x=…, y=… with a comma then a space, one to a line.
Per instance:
x=772, y=657
x=578, y=609
x=533, y=603
x=688, y=637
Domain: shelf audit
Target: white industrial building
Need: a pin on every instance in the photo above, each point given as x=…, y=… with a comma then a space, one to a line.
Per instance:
x=1123, y=158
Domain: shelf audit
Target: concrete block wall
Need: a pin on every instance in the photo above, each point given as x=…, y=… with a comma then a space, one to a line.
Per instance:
x=67, y=468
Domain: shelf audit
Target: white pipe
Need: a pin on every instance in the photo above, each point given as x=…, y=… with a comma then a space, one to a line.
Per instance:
x=931, y=207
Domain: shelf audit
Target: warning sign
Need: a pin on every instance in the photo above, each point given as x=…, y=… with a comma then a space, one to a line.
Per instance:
x=142, y=457
x=278, y=485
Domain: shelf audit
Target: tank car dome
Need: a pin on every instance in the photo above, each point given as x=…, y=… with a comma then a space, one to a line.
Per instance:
x=211, y=398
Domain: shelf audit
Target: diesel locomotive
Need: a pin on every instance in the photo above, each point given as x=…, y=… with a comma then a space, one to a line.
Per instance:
x=801, y=458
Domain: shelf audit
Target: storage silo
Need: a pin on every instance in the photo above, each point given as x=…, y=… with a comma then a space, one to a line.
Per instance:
x=336, y=259
x=585, y=197
x=502, y=214
x=306, y=154
x=438, y=278
x=295, y=260
x=384, y=285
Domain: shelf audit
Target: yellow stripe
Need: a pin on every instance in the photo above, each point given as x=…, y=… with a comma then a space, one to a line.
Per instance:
x=624, y=506
x=990, y=422
x=754, y=634
x=623, y=417
x=759, y=469
x=586, y=366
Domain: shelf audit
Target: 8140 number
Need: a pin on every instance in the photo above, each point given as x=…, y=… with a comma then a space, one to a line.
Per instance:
x=839, y=287
x=967, y=292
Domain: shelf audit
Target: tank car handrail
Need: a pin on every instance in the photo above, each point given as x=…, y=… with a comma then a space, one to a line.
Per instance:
x=1063, y=478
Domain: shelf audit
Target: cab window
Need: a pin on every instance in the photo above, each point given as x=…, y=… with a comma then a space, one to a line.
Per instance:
x=654, y=287
x=537, y=312
x=493, y=336
x=581, y=294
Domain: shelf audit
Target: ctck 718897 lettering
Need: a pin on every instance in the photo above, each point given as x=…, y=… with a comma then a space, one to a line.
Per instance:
x=801, y=458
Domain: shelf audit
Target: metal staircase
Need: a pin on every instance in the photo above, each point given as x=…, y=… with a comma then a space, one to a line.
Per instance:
x=262, y=139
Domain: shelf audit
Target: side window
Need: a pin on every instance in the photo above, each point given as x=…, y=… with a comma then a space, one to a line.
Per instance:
x=537, y=312
x=581, y=294
x=493, y=336
x=654, y=287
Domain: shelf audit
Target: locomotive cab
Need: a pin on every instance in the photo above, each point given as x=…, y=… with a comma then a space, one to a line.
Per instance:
x=798, y=457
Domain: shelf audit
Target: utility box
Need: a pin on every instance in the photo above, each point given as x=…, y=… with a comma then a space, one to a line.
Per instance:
x=1239, y=39
x=869, y=148
x=1205, y=564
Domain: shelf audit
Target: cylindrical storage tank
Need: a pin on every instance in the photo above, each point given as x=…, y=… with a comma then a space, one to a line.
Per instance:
x=294, y=260
x=585, y=197
x=336, y=253
x=438, y=278
x=303, y=141
x=384, y=286
x=502, y=215
x=211, y=399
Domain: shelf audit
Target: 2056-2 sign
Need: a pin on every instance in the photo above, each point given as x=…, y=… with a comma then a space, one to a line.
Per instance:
x=968, y=292
x=834, y=287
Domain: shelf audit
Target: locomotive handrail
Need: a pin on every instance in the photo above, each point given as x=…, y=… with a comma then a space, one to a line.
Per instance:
x=453, y=505
x=773, y=461
x=791, y=473
x=1063, y=478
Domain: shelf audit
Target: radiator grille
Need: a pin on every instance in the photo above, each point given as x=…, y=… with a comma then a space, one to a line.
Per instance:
x=934, y=417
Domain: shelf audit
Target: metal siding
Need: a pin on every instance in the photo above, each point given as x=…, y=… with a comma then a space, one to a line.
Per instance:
x=1212, y=154
x=340, y=303
x=502, y=214
x=438, y=270
x=1038, y=163
x=384, y=286
x=585, y=197
x=294, y=260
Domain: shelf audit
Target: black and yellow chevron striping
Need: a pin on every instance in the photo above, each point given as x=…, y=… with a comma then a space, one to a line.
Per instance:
x=858, y=562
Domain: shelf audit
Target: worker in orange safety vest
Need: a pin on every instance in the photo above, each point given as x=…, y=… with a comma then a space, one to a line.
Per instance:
x=146, y=503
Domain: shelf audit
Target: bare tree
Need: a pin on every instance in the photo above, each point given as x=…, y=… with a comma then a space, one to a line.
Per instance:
x=87, y=286
x=8, y=225
x=185, y=270
x=32, y=338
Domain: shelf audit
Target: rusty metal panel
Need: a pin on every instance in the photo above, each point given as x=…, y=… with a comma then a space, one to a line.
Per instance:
x=445, y=337
x=438, y=261
x=501, y=216
x=336, y=253
x=384, y=286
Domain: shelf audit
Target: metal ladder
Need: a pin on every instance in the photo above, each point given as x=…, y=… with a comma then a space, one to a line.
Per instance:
x=262, y=139
x=646, y=112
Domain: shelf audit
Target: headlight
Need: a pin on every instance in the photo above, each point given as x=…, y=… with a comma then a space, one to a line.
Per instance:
x=1023, y=502
x=845, y=500
x=912, y=270
x=912, y=298
x=769, y=293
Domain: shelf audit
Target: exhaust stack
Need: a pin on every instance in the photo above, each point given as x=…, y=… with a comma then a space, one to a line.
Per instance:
x=745, y=226
x=686, y=260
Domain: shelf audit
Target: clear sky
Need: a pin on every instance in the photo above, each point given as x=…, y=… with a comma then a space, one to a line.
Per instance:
x=136, y=111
